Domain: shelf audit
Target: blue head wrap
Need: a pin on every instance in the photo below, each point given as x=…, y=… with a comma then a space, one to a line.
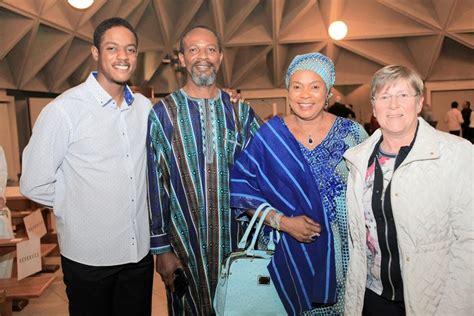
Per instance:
x=315, y=62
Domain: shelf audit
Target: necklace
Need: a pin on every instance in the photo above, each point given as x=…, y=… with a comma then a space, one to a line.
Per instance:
x=307, y=136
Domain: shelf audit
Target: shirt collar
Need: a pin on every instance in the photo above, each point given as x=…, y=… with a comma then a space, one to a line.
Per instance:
x=402, y=153
x=215, y=98
x=102, y=97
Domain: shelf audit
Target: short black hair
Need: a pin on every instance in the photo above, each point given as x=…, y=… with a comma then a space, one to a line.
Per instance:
x=108, y=24
x=454, y=104
x=181, y=41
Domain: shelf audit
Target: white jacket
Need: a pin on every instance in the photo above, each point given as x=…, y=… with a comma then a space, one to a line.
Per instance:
x=431, y=196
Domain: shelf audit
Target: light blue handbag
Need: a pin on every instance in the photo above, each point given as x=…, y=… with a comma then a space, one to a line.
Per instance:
x=245, y=286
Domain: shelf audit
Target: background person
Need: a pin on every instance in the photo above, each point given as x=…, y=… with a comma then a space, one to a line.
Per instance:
x=340, y=109
x=466, y=116
x=454, y=119
x=427, y=114
x=373, y=124
x=409, y=202
x=470, y=130
x=295, y=164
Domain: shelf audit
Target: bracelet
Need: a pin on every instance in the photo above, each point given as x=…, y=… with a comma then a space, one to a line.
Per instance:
x=272, y=221
x=278, y=220
x=275, y=220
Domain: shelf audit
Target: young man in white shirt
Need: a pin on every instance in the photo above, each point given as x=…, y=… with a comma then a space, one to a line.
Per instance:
x=87, y=160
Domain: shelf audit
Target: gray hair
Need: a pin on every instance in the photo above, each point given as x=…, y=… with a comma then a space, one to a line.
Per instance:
x=388, y=75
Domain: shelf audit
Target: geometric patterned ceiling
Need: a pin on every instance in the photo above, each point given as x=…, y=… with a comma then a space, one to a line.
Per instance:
x=44, y=44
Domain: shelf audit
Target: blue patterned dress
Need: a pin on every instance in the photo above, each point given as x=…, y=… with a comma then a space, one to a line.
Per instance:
x=277, y=169
x=330, y=173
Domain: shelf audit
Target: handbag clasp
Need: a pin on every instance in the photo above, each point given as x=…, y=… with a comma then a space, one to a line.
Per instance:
x=263, y=280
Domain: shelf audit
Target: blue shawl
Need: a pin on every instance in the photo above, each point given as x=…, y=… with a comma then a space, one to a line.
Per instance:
x=272, y=169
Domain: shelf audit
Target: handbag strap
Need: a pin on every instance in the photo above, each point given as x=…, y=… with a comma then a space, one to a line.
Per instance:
x=274, y=234
x=246, y=235
x=251, y=248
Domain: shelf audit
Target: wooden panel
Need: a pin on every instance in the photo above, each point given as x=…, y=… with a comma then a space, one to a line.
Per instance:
x=30, y=287
x=35, y=106
x=9, y=136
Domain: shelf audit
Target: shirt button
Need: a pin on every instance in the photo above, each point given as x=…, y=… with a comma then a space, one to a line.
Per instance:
x=127, y=155
x=396, y=194
x=131, y=178
x=408, y=258
x=123, y=134
x=133, y=200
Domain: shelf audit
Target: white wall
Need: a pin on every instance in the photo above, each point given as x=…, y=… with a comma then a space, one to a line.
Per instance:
x=36, y=105
x=9, y=136
x=440, y=95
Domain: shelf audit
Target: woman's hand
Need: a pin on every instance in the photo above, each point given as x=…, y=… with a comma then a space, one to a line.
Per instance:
x=302, y=228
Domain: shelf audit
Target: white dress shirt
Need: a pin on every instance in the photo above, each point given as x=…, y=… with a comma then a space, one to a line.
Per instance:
x=87, y=159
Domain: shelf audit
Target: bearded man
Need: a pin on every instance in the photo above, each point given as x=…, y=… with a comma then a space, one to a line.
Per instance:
x=194, y=136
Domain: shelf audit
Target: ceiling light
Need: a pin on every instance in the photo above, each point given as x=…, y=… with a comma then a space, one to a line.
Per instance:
x=337, y=30
x=80, y=4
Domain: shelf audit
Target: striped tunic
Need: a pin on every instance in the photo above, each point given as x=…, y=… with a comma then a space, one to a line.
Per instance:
x=192, y=144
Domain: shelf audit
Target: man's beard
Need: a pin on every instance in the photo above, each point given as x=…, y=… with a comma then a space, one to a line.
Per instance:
x=202, y=79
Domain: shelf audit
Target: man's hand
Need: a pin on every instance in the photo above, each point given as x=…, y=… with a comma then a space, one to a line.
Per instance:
x=302, y=228
x=166, y=265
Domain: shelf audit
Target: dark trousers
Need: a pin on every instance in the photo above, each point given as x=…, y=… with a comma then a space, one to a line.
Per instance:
x=375, y=305
x=468, y=133
x=457, y=133
x=124, y=289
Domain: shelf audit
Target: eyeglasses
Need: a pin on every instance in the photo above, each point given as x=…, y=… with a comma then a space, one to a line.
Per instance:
x=400, y=97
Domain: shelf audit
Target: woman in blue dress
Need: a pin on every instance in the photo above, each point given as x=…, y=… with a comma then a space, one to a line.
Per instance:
x=295, y=164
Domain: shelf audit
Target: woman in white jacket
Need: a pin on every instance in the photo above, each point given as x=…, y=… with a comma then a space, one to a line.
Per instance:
x=410, y=211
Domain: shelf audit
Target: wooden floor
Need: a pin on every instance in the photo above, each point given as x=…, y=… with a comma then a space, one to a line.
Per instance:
x=53, y=302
